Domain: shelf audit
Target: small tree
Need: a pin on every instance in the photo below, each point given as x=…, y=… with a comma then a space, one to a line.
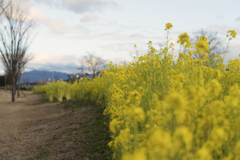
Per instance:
x=93, y=63
x=81, y=69
x=14, y=42
x=215, y=42
x=26, y=80
x=20, y=69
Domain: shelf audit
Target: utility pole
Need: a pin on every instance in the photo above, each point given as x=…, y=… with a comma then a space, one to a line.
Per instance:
x=81, y=69
x=44, y=76
x=52, y=76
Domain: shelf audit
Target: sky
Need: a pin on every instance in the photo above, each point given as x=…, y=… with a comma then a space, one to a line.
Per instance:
x=67, y=30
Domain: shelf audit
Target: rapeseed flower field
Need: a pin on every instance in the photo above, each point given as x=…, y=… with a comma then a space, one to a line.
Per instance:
x=168, y=108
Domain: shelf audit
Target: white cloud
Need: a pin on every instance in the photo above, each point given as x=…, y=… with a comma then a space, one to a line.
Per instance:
x=26, y=5
x=81, y=6
x=37, y=15
x=23, y=5
x=118, y=60
x=59, y=62
x=234, y=48
x=48, y=2
x=220, y=17
x=118, y=47
x=137, y=35
x=57, y=25
x=54, y=62
x=115, y=47
x=89, y=17
x=42, y=58
x=67, y=68
x=220, y=28
x=238, y=19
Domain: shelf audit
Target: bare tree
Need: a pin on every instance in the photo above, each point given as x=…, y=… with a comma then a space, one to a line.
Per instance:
x=20, y=68
x=26, y=80
x=93, y=63
x=82, y=69
x=3, y=6
x=14, y=37
x=215, y=42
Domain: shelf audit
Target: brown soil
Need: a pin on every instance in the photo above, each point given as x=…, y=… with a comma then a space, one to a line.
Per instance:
x=29, y=125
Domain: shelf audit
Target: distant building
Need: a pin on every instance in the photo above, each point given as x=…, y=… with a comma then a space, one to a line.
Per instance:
x=43, y=82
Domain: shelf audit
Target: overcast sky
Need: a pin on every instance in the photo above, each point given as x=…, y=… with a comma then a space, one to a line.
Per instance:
x=66, y=30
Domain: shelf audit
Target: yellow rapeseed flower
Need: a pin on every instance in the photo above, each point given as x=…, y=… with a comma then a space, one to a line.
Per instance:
x=184, y=40
x=233, y=33
x=160, y=107
x=181, y=55
x=137, y=155
x=112, y=125
x=214, y=55
x=201, y=46
x=168, y=26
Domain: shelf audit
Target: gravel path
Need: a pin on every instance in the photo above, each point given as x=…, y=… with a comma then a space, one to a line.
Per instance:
x=28, y=123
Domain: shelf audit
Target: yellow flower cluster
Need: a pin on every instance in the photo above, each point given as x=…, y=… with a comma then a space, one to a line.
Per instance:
x=168, y=26
x=184, y=40
x=201, y=45
x=166, y=108
x=232, y=34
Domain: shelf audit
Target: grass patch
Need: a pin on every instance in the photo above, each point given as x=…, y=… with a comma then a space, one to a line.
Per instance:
x=96, y=135
x=55, y=138
x=64, y=115
x=43, y=152
x=90, y=137
x=71, y=123
x=76, y=107
x=45, y=99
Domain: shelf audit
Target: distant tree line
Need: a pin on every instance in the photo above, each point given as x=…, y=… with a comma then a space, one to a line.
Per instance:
x=2, y=81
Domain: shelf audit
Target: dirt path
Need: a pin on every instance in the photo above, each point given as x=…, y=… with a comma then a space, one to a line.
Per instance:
x=29, y=127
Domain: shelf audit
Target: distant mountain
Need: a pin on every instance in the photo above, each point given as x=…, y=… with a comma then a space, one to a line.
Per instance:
x=35, y=75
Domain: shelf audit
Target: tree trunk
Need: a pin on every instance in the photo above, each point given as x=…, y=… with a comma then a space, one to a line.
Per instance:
x=5, y=82
x=19, y=83
x=13, y=88
x=94, y=74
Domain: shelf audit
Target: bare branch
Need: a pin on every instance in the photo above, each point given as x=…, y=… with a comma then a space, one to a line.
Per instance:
x=215, y=41
x=93, y=63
